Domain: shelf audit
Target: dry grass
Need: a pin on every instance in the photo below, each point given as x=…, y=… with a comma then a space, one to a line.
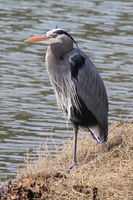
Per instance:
x=104, y=172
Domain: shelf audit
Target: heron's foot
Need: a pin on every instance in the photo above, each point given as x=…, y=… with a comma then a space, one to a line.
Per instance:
x=74, y=165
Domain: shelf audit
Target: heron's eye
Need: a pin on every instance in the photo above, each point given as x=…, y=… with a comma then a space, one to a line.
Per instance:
x=54, y=35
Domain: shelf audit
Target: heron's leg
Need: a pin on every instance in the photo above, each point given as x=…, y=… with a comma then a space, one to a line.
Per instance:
x=74, y=158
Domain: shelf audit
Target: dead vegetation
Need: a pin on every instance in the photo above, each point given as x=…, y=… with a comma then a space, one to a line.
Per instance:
x=104, y=172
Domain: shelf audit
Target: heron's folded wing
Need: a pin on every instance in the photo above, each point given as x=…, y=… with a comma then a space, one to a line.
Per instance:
x=90, y=87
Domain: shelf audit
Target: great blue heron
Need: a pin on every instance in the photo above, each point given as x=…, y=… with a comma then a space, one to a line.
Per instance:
x=78, y=86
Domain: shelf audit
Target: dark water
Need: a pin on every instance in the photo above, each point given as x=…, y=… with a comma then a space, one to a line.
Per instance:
x=28, y=111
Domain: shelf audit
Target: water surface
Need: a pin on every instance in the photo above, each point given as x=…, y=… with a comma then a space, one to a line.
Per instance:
x=28, y=112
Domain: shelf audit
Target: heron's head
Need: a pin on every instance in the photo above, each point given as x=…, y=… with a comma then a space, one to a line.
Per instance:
x=54, y=36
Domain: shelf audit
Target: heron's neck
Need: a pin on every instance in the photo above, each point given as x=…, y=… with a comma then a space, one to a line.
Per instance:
x=59, y=50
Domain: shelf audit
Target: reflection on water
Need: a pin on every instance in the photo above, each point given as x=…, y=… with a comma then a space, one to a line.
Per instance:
x=28, y=111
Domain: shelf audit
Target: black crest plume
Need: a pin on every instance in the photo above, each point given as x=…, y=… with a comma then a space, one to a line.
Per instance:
x=61, y=32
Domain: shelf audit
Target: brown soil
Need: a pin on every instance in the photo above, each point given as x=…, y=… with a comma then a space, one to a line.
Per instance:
x=104, y=172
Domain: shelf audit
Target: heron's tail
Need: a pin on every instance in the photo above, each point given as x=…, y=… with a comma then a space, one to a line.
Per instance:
x=98, y=134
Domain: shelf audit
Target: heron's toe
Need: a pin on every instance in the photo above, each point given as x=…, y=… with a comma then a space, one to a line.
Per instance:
x=73, y=166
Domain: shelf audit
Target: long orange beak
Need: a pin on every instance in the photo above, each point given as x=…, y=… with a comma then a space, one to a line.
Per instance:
x=36, y=39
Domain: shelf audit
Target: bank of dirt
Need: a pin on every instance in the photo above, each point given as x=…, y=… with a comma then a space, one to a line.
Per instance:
x=104, y=172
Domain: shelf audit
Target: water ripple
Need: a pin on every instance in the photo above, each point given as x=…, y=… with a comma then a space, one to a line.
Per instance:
x=28, y=113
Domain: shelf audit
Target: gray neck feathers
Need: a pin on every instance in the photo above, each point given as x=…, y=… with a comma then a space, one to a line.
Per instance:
x=60, y=49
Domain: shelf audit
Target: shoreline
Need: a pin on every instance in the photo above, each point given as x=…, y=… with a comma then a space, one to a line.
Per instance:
x=104, y=171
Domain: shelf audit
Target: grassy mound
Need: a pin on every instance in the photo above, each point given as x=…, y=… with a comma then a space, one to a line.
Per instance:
x=104, y=172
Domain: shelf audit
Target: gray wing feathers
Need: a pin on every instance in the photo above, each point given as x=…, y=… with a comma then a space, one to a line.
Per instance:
x=90, y=88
